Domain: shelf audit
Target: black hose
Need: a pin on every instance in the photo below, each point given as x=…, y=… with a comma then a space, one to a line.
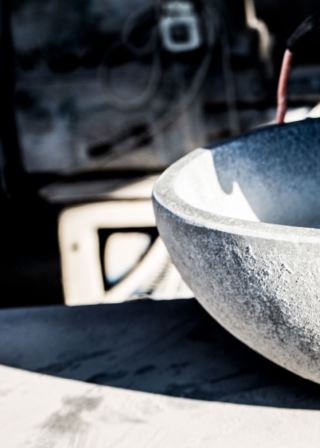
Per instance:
x=305, y=34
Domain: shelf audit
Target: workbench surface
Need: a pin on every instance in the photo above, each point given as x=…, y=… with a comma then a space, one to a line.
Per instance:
x=149, y=374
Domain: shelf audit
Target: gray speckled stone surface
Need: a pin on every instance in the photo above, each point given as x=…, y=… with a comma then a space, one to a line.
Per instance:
x=239, y=221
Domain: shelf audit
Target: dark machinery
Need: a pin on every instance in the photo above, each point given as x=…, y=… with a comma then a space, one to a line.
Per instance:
x=99, y=90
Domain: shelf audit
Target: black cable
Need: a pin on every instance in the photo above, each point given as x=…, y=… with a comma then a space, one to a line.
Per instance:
x=306, y=33
x=139, y=22
x=179, y=105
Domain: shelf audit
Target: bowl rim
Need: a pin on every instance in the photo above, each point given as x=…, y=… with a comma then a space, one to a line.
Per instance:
x=164, y=194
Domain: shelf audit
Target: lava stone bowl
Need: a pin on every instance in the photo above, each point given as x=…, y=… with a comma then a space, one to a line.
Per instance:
x=240, y=223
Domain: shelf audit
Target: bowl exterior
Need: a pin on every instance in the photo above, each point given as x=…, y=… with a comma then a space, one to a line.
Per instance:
x=263, y=291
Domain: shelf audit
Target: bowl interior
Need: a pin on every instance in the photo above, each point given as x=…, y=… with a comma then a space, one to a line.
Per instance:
x=271, y=176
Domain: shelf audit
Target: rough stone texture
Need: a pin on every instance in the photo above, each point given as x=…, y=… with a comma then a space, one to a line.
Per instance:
x=239, y=221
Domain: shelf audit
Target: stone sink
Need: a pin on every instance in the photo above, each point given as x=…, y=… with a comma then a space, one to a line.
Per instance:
x=240, y=221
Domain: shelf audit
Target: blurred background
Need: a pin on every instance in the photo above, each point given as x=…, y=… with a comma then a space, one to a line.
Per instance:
x=98, y=97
